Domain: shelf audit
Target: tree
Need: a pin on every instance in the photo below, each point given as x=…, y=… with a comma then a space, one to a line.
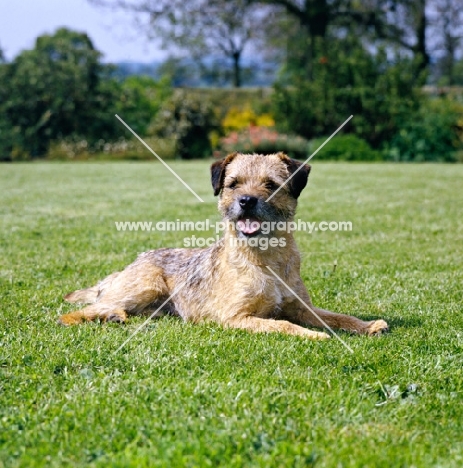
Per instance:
x=447, y=26
x=411, y=26
x=430, y=28
x=217, y=27
x=5, y=126
x=318, y=22
x=402, y=24
x=57, y=90
x=199, y=27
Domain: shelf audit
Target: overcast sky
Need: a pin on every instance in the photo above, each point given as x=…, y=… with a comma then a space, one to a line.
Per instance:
x=21, y=21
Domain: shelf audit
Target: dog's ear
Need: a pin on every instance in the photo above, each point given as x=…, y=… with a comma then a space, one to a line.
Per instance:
x=218, y=172
x=301, y=171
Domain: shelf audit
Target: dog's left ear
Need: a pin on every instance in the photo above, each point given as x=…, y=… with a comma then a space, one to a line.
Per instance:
x=301, y=171
x=218, y=172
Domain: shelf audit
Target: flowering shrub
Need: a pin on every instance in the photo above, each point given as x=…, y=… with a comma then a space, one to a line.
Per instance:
x=237, y=119
x=262, y=140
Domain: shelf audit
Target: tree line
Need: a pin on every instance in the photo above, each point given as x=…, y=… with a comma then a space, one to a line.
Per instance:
x=301, y=31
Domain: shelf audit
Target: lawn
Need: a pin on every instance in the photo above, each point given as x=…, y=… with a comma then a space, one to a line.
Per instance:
x=180, y=395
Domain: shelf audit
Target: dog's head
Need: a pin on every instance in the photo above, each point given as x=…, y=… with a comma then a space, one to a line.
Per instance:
x=257, y=188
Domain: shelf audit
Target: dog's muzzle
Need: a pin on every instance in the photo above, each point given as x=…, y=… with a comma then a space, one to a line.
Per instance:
x=247, y=222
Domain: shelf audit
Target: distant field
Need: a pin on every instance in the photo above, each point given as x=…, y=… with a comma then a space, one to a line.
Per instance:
x=195, y=396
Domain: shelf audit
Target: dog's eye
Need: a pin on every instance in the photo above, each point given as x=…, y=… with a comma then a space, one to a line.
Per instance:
x=233, y=184
x=270, y=185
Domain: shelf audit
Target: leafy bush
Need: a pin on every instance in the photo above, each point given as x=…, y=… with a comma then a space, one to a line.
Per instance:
x=344, y=148
x=262, y=140
x=189, y=120
x=434, y=133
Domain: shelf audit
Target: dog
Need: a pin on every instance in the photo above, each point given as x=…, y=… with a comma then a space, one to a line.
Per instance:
x=234, y=282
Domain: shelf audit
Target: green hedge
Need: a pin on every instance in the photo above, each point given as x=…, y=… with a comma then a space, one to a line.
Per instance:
x=344, y=148
x=434, y=133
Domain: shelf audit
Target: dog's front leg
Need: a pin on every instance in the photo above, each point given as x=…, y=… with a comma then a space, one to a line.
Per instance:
x=305, y=313
x=261, y=325
x=319, y=317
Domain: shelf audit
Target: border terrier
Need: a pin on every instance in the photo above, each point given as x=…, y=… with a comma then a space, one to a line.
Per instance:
x=228, y=282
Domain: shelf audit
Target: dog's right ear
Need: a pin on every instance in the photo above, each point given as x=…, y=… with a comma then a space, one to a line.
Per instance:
x=218, y=172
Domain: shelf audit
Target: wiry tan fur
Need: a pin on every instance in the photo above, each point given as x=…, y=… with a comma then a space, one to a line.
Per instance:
x=228, y=284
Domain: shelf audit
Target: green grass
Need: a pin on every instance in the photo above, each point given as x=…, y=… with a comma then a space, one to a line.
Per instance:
x=181, y=395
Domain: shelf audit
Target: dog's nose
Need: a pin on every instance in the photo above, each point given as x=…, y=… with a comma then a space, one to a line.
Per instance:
x=247, y=202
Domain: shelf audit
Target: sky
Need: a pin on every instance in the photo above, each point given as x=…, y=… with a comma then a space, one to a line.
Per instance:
x=112, y=33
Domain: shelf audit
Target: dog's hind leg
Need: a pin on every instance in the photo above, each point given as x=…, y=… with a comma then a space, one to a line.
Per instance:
x=92, y=312
x=130, y=292
x=91, y=295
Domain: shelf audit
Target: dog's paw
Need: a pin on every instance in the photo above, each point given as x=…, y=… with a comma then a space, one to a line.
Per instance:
x=116, y=318
x=314, y=335
x=323, y=336
x=377, y=327
x=72, y=318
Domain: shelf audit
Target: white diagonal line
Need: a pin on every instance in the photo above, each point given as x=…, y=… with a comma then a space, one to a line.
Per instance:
x=308, y=159
x=150, y=317
x=166, y=165
x=311, y=310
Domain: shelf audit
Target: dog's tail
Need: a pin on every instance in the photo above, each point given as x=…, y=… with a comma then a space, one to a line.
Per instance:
x=90, y=295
